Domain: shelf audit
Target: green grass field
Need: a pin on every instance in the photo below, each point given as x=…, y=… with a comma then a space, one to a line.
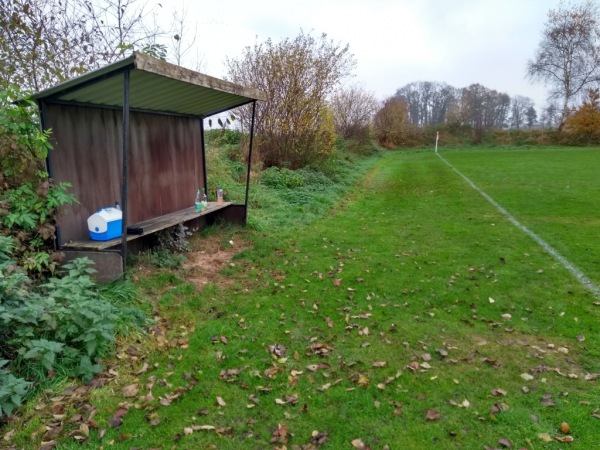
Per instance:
x=413, y=316
x=555, y=192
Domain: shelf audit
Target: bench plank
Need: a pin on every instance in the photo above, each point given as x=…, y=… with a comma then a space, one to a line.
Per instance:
x=149, y=226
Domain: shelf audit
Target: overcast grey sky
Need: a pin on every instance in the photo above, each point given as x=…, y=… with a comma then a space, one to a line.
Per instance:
x=395, y=42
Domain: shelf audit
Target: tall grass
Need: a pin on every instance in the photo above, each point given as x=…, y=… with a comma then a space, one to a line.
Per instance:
x=282, y=197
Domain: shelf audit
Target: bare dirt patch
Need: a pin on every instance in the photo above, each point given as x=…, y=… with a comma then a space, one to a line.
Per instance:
x=208, y=258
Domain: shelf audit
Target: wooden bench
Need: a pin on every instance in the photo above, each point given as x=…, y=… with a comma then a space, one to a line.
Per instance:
x=148, y=226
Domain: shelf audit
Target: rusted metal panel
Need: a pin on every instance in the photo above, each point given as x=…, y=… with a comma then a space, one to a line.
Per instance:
x=87, y=154
x=165, y=163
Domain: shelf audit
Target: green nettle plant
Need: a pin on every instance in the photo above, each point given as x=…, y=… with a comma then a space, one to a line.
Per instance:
x=29, y=199
x=61, y=326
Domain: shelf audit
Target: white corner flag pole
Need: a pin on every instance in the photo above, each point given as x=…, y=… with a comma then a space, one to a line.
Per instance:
x=437, y=137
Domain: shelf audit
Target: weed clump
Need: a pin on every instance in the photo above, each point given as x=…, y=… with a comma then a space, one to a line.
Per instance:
x=62, y=327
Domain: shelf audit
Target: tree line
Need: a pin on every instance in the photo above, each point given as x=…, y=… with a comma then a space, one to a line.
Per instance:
x=305, y=77
x=433, y=103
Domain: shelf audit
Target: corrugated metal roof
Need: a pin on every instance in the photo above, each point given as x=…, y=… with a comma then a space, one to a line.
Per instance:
x=155, y=85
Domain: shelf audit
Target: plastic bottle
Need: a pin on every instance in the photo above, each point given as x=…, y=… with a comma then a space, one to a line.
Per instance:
x=219, y=196
x=198, y=201
x=204, y=200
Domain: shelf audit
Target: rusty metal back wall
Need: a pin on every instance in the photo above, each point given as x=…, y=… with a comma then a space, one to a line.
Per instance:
x=165, y=163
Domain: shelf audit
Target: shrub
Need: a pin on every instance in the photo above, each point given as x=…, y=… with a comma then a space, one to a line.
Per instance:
x=29, y=200
x=62, y=326
x=295, y=126
x=13, y=391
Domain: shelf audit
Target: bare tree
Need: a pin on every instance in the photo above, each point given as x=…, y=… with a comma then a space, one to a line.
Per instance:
x=120, y=26
x=182, y=40
x=47, y=41
x=41, y=43
x=568, y=56
x=353, y=110
x=481, y=108
x=518, y=110
x=550, y=117
x=428, y=102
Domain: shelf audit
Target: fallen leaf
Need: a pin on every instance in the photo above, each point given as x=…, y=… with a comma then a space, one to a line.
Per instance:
x=315, y=367
x=48, y=445
x=491, y=362
x=564, y=439
x=505, y=443
x=432, y=414
x=229, y=375
x=85, y=429
x=153, y=419
x=142, y=369
x=131, y=390
x=203, y=427
x=359, y=444
x=337, y=282
x=527, y=377
x=117, y=419
x=565, y=428
x=498, y=408
x=280, y=435
x=363, y=381
x=272, y=371
x=546, y=400
x=8, y=436
x=319, y=438
x=220, y=401
x=321, y=349
x=545, y=437
x=498, y=392
x=379, y=364
x=277, y=350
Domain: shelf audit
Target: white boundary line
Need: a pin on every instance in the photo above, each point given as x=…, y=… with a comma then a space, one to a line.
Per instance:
x=581, y=277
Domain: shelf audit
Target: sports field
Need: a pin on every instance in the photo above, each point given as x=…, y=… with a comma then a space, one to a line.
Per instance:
x=554, y=192
x=415, y=315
